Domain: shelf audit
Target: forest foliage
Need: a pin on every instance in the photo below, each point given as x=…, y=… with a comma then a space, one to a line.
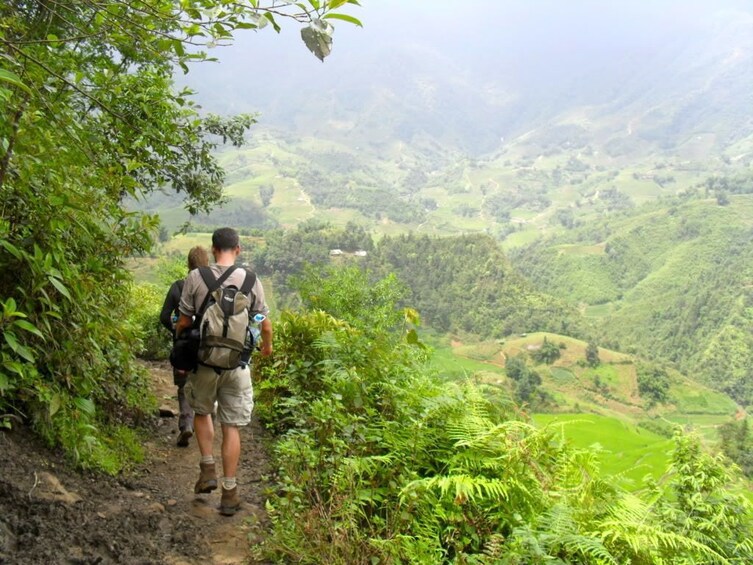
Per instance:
x=378, y=461
x=458, y=284
x=676, y=278
x=89, y=120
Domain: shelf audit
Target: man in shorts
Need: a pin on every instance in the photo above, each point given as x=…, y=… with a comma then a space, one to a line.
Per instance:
x=231, y=389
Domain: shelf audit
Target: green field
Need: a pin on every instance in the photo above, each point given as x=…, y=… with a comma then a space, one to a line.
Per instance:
x=627, y=453
x=609, y=416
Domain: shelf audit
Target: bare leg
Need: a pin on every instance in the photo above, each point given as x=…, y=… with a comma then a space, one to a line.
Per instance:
x=204, y=430
x=231, y=449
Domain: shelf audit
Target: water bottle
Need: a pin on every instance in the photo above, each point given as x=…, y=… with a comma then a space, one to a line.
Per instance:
x=253, y=338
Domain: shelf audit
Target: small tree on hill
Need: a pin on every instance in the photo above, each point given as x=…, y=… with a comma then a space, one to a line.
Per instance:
x=548, y=353
x=527, y=388
x=515, y=367
x=592, y=355
x=653, y=383
x=266, y=191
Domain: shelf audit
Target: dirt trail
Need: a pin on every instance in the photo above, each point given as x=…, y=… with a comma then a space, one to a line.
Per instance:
x=52, y=514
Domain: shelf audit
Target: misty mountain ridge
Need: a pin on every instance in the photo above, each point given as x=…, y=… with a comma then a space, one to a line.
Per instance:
x=638, y=97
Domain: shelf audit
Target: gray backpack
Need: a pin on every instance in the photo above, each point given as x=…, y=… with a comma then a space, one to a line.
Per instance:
x=224, y=320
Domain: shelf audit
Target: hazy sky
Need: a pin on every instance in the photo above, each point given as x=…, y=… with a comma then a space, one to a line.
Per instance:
x=529, y=47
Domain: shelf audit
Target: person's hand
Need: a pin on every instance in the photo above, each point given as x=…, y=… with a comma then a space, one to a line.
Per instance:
x=266, y=349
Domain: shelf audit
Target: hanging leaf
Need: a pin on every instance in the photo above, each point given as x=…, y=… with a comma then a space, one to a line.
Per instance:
x=318, y=38
x=54, y=405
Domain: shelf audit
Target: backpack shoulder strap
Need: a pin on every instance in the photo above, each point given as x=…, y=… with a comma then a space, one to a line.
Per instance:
x=212, y=283
x=248, y=282
x=208, y=277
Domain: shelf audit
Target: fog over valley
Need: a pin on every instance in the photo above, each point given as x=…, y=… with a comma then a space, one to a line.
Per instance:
x=471, y=75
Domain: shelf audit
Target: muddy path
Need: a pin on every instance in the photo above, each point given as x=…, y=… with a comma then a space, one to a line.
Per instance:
x=50, y=513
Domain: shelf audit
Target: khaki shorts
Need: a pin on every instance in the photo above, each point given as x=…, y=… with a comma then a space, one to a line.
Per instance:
x=231, y=389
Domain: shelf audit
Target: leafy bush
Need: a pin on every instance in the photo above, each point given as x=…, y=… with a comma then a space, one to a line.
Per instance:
x=653, y=383
x=146, y=303
x=379, y=462
x=88, y=126
x=548, y=353
x=592, y=355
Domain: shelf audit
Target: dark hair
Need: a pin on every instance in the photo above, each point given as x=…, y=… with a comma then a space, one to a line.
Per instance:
x=225, y=239
x=197, y=257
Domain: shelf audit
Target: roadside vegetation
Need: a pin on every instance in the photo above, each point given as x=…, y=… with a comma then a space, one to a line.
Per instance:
x=379, y=461
x=91, y=123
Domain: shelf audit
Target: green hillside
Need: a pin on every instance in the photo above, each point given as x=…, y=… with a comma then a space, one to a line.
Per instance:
x=596, y=405
x=528, y=188
x=672, y=281
x=610, y=389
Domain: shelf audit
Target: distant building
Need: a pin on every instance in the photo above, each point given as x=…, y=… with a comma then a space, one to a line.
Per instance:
x=334, y=252
x=360, y=253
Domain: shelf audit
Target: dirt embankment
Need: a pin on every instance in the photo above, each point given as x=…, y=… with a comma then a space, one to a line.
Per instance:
x=51, y=514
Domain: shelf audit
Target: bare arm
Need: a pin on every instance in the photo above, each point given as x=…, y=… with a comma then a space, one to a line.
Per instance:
x=266, y=337
x=183, y=323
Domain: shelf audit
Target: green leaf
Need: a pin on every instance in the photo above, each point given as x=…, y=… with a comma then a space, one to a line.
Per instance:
x=11, y=340
x=178, y=47
x=14, y=366
x=19, y=349
x=24, y=325
x=9, y=307
x=318, y=38
x=54, y=405
x=271, y=19
x=411, y=337
x=85, y=405
x=345, y=18
x=61, y=287
x=10, y=248
x=14, y=79
x=314, y=4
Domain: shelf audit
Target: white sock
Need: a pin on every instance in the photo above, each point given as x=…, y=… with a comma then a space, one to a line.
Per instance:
x=228, y=483
x=207, y=459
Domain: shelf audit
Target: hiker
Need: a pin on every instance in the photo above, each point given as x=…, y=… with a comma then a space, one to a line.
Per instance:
x=197, y=257
x=231, y=387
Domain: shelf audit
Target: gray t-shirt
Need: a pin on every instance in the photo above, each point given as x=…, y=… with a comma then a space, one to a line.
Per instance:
x=194, y=291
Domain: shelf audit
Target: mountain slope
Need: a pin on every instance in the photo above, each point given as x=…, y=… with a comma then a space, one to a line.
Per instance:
x=673, y=282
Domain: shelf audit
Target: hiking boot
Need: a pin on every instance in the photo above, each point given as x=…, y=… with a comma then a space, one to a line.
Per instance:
x=183, y=438
x=230, y=501
x=207, y=479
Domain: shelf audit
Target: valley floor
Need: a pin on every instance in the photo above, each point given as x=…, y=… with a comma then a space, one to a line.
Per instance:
x=52, y=514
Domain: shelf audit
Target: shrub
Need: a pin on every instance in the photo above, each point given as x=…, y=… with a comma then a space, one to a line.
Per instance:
x=146, y=303
x=548, y=353
x=653, y=383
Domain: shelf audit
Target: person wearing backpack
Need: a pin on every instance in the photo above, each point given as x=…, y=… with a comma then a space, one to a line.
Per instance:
x=197, y=257
x=225, y=300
